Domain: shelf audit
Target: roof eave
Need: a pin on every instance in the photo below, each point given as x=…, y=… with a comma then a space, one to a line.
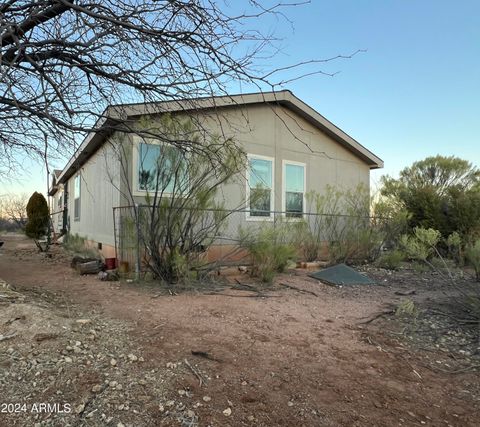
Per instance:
x=285, y=97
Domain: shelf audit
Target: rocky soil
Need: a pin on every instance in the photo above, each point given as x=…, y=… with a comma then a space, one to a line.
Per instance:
x=77, y=351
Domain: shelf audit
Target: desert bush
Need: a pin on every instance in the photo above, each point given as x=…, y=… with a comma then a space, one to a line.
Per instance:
x=182, y=215
x=407, y=308
x=472, y=254
x=270, y=249
x=442, y=193
x=37, y=226
x=341, y=218
x=454, y=247
x=421, y=245
x=391, y=260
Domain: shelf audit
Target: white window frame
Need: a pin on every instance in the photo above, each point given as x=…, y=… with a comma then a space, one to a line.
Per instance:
x=284, y=188
x=77, y=196
x=135, y=158
x=247, y=185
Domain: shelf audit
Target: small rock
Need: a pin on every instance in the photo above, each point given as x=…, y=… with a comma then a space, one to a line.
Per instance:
x=290, y=403
x=170, y=403
x=250, y=418
x=132, y=357
x=181, y=392
x=96, y=388
x=227, y=412
x=190, y=414
x=80, y=408
x=113, y=362
x=207, y=398
x=161, y=408
x=68, y=359
x=83, y=321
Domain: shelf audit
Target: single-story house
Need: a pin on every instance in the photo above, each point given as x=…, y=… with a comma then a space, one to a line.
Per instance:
x=289, y=144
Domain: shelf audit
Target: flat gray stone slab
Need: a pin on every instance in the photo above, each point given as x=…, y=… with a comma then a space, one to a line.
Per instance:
x=341, y=274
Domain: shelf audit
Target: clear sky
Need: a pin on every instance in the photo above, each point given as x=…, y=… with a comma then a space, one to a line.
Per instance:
x=414, y=93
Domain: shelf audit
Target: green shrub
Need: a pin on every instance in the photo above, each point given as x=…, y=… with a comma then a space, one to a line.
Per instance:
x=421, y=245
x=407, y=308
x=270, y=249
x=391, y=260
x=38, y=217
x=440, y=192
x=307, y=241
x=440, y=263
x=472, y=253
x=454, y=246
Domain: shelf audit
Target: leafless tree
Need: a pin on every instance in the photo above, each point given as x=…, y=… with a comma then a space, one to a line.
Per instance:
x=181, y=213
x=13, y=208
x=63, y=62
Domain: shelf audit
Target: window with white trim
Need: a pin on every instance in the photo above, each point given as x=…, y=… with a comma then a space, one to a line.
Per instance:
x=161, y=168
x=260, y=186
x=294, y=188
x=76, y=197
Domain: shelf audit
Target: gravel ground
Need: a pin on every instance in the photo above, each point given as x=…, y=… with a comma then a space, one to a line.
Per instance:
x=116, y=353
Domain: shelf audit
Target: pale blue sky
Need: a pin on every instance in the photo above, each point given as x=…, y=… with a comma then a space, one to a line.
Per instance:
x=414, y=93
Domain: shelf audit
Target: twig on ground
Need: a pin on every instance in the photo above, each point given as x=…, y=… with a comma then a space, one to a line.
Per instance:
x=195, y=372
x=458, y=371
x=7, y=337
x=205, y=355
x=259, y=295
x=13, y=319
x=298, y=289
x=406, y=293
x=378, y=315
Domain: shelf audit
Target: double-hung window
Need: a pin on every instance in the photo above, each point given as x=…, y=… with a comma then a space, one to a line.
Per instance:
x=260, y=186
x=76, y=197
x=294, y=189
x=161, y=168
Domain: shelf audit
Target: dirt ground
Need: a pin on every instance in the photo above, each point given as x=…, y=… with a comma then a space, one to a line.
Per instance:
x=120, y=354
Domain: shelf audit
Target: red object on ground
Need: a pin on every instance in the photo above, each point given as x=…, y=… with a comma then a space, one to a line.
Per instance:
x=111, y=263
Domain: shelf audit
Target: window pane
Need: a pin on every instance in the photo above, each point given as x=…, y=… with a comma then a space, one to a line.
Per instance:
x=162, y=168
x=294, y=178
x=260, y=173
x=76, y=190
x=294, y=204
x=76, y=208
x=260, y=202
x=147, y=167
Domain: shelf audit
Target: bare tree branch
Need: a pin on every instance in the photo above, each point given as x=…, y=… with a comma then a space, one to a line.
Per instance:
x=64, y=62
